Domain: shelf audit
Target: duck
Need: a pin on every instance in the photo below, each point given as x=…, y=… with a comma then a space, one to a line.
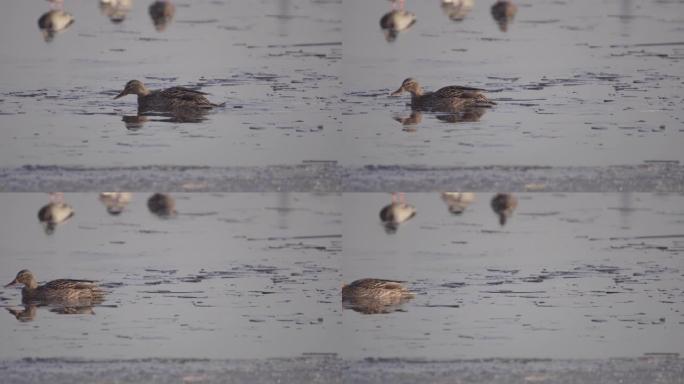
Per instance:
x=62, y=290
x=503, y=205
x=457, y=10
x=372, y=296
x=457, y=202
x=54, y=213
x=54, y=21
x=396, y=213
x=115, y=202
x=396, y=21
x=503, y=12
x=161, y=13
x=174, y=98
x=162, y=205
x=446, y=99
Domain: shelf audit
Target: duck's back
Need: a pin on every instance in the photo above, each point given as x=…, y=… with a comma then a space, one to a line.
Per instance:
x=175, y=97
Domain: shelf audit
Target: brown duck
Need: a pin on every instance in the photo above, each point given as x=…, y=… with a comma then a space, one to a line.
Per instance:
x=174, y=98
x=503, y=204
x=62, y=290
x=372, y=296
x=446, y=99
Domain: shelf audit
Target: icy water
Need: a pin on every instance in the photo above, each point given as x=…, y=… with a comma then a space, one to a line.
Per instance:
x=568, y=276
x=258, y=275
x=275, y=64
x=230, y=276
x=578, y=83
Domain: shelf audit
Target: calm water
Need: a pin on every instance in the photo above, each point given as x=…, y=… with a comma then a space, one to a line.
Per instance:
x=258, y=275
x=569, y=276
x=274, y=64
x=237, y=275
x=573, y=84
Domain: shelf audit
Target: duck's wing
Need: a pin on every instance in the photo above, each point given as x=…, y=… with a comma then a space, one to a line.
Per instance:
x=70, y=284
x=379, y=284
x=459, y=92
x=182, y=93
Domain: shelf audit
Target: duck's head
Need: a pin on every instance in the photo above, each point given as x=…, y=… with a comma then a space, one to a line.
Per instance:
x=23, y=277
x=409, y=85
x=133, y=87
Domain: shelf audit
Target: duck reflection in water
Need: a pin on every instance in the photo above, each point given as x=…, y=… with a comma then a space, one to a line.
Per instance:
x=465, y=115
x=54, y=213
x=503, y=12
x=396, y=21
x=375, y=296
x=457, y=10
x=161, y=13
x=115, y=10
x=53, y=22
x=115, y=202
x=136, y=122
x=503, y=204
x=29, y=311
x=396, y=213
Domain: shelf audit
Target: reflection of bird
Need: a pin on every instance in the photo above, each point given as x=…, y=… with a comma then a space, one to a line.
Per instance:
x=174, y=98
x=115, y=201
x=396, y=21
x=24, y=315
x=396, y=213
x=503, y=12
x=116, y=10
x=503, y=205
x=457, y=202
x=30, y=309
x=446, y=99
x=54, y=213
x=161, y=13
x=457, y=9
x=54, y=21
x=161, y=204
x=375, y=295
x=58, y=291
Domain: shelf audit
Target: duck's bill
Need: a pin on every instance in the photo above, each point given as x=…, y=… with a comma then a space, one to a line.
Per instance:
x=397, y=92
x=122, y=94
x=11, y=284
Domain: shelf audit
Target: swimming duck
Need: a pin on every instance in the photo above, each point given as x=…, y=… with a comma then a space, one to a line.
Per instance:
x=446, y=99
x=503, y=205
x=371, y=296
x=396, y=21
x=503, y=12
x=457, y=10
x=396, y=213
x=161, y=13
x=162, y=205
x=62, y=290
x=54, y=21
x=54, y=213
x=115, y=201
x=175, y=98
x=457, y=202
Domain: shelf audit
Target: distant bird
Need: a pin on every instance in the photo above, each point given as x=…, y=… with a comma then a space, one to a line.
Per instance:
x=396, y=21
x=503, y=12
x=53, y=214
x=58, y=291
x=446, y=99
x=503, y=205
x=115, y=202
x=457, y=10
x=396, y=213
x=174, y=98
x=457, y=202
x=54, y=21
x=162, y=205
x=161, y=13
x=371, y=296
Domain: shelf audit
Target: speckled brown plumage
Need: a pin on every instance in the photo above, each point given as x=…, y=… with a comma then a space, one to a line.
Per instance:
x=447, y=99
